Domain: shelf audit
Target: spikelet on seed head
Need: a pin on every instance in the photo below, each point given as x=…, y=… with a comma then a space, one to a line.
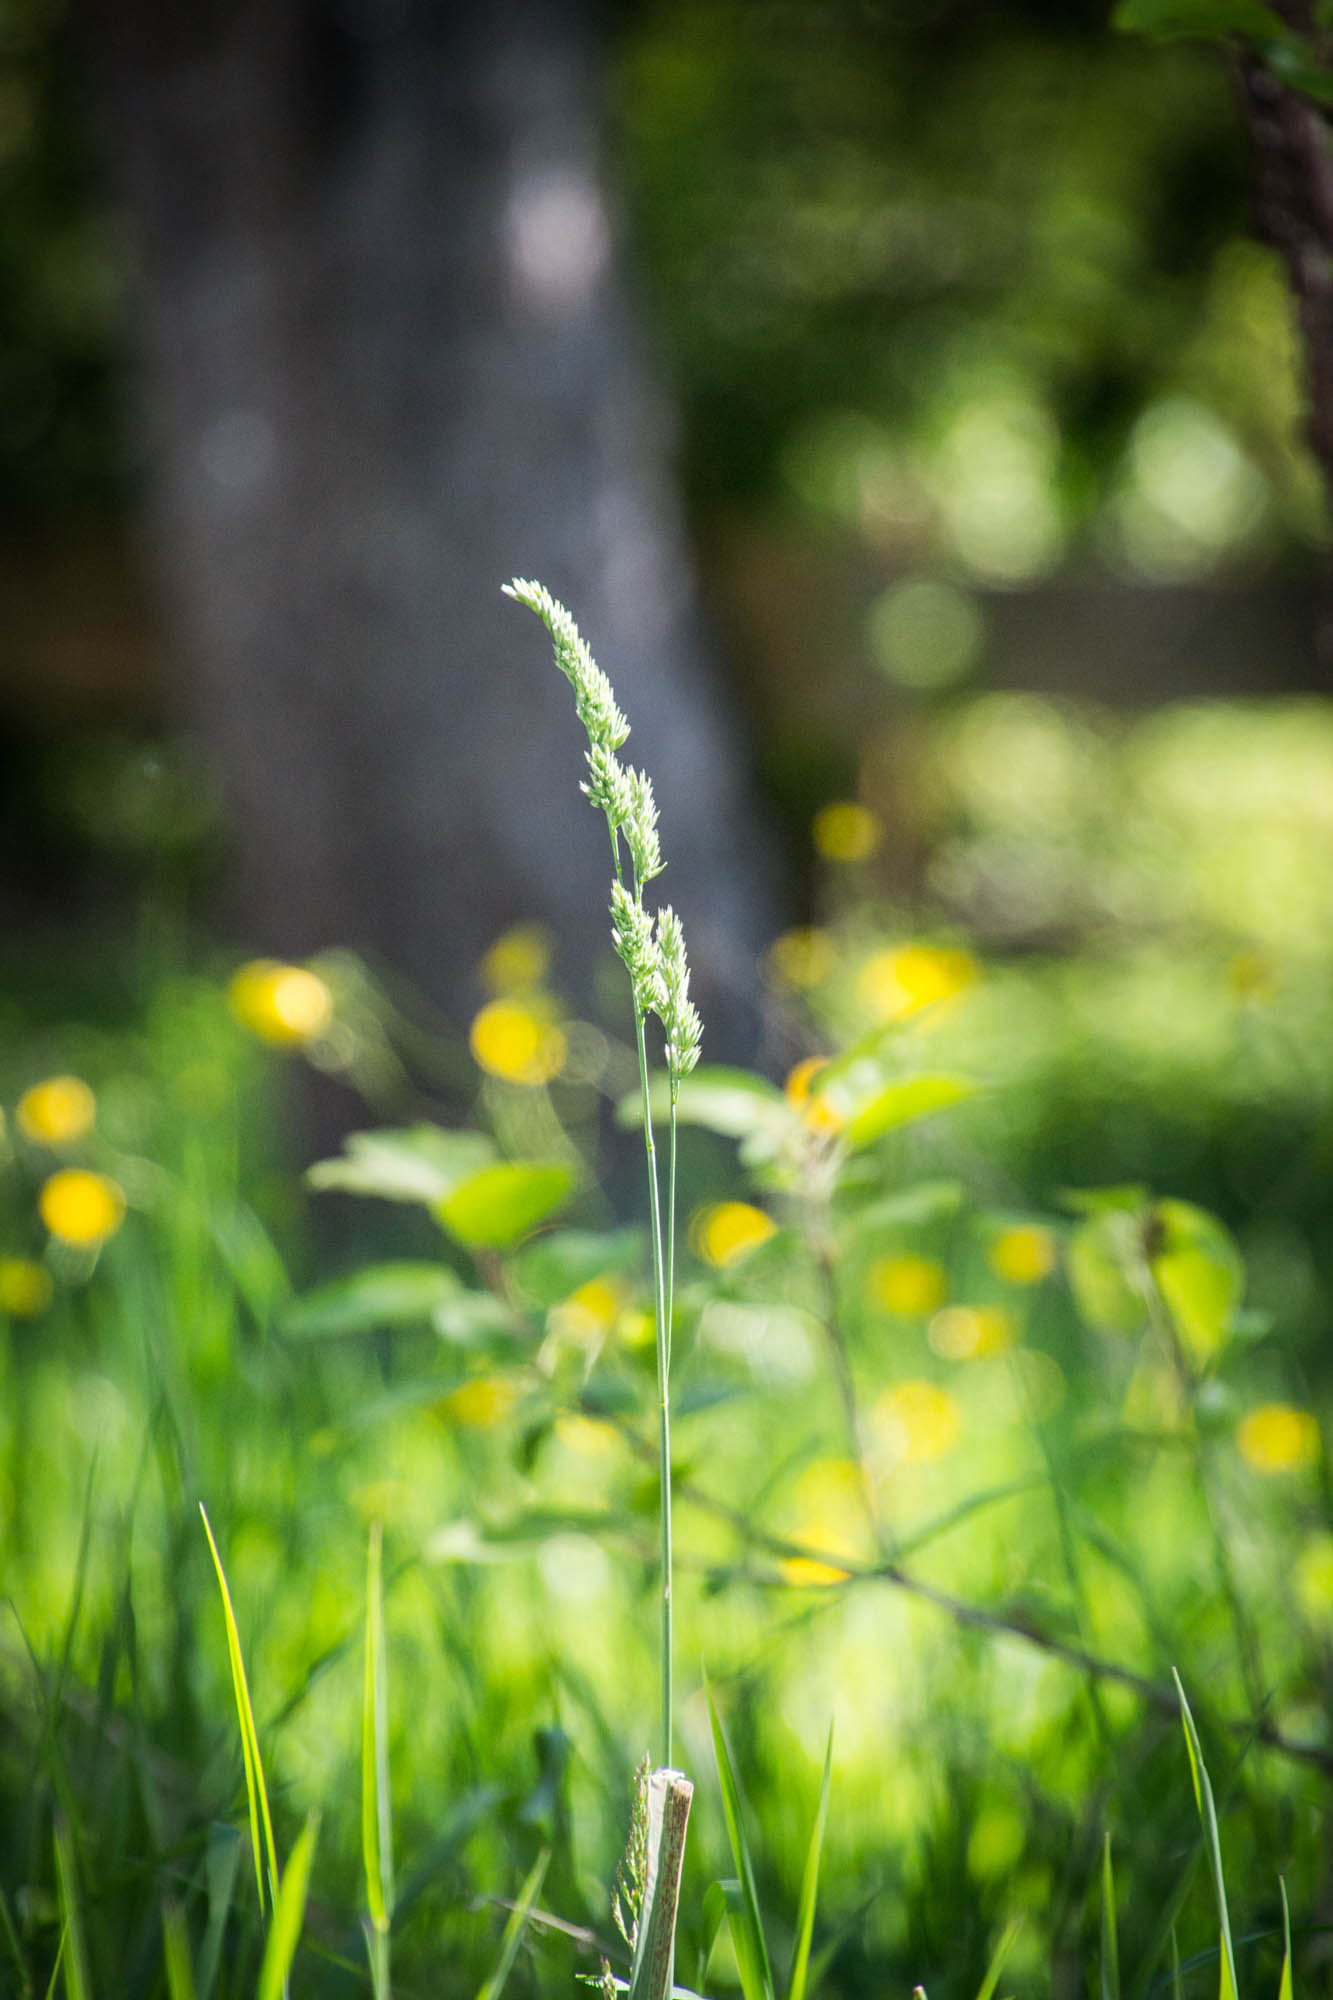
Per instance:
x=672, y=1003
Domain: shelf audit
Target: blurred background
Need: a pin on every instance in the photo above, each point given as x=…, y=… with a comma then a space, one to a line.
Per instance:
x=910, y=402
x=840, y=365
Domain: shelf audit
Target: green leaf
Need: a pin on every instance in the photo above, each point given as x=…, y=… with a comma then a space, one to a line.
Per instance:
x=556, y=1265
x=288, y=1915
x=422, y=1163
x=1110, y=1945
x=496, y=1207
x=805, y=1915
x=256, y=1791
x=1203, y=1799
x=176, y=1953
x=911, y=1208
x=729, y=1101
x=1098, y=1258
x=221, y=1863
x=71, y=1917
x=1285, y=1990
x=716, y=1907
x=747, y=1926
x=902, y=1103
x=513, y=1930
x=376, y=1803
x=381, y=1295
x=1001, y=1953
x=1199, y=1272
x=1211, y=20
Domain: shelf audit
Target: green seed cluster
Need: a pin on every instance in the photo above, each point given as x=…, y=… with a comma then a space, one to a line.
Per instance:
x=653, y=951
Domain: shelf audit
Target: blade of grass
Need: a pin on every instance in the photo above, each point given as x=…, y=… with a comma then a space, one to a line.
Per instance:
x=1001, y=1952
x=1177, y=1990
x=176, y=1953
x=1203, y=1798
x=748, y=1937
x=288, y=1915
x=221, y=1857
x=1110, y=1952
x=255, y=1790
x=491, y=1987
x=1285, y=1988
x=376, y=1803
x=76, y=1957
x=805, y=1916
x=15, y=1948
x=55, y=1969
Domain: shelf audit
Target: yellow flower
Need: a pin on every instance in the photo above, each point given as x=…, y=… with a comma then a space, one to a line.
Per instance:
x=802, y=958
x=1024, y=1254
x=589, y=1313
x=518, y=1042
x=25, y=1288
x=518, y=960
x=829, y=1504
x=970, y=1333
x=483, y=1402
x=916, y=1422
x=729, y=1230
x=1277, y=1438
x=57, y=1112
x=903, y=980
x=282, y=1004
x=80, y=1208
x=906, y=1285
x=846, y=831
x=816, y=1111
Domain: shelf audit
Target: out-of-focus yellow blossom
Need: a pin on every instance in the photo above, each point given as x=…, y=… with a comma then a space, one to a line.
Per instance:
x=25, y=1287
x=483, y=1402
x=589, y=1313
x=830, y=1517
x=282, y=1004
x=1023, y=1255
x=518, y=961
x=1276, y=1437
x=518, y=1041
x=1314, y=1581
x=970, y=1333
x=80, y=1208
x=916, y=1423
x=800, y=1090
x=903, y=980
x=1250, y=977
x=728, y=1230
x=803, y=958
x=846, y=831
x=585, y=1435
x=636, y=1327
x=57, y=1111
x=907, y=1285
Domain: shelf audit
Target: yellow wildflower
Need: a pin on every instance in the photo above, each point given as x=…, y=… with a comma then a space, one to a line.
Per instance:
x=829, y=1505
x=816, y=1111
x=903, y=980
x=728, y=1230
x=802, y=958
x=970, y=1333
x=517, y=961
x=81, y=1208
x=1024, y=1254
x=590, y=1312
x=483, y=1402
x=25, y=1288
x=57, y=1112
x=518, y=1041
x=1275, y=1437
x=906, y=1285
x=845, y=831
x=282, y=1004
x=916, y=1422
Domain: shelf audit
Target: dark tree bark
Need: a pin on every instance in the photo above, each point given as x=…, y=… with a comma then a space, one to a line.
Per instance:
x=386, y=363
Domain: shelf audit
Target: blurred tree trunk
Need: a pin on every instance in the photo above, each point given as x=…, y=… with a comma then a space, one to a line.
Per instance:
x=386, y=363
